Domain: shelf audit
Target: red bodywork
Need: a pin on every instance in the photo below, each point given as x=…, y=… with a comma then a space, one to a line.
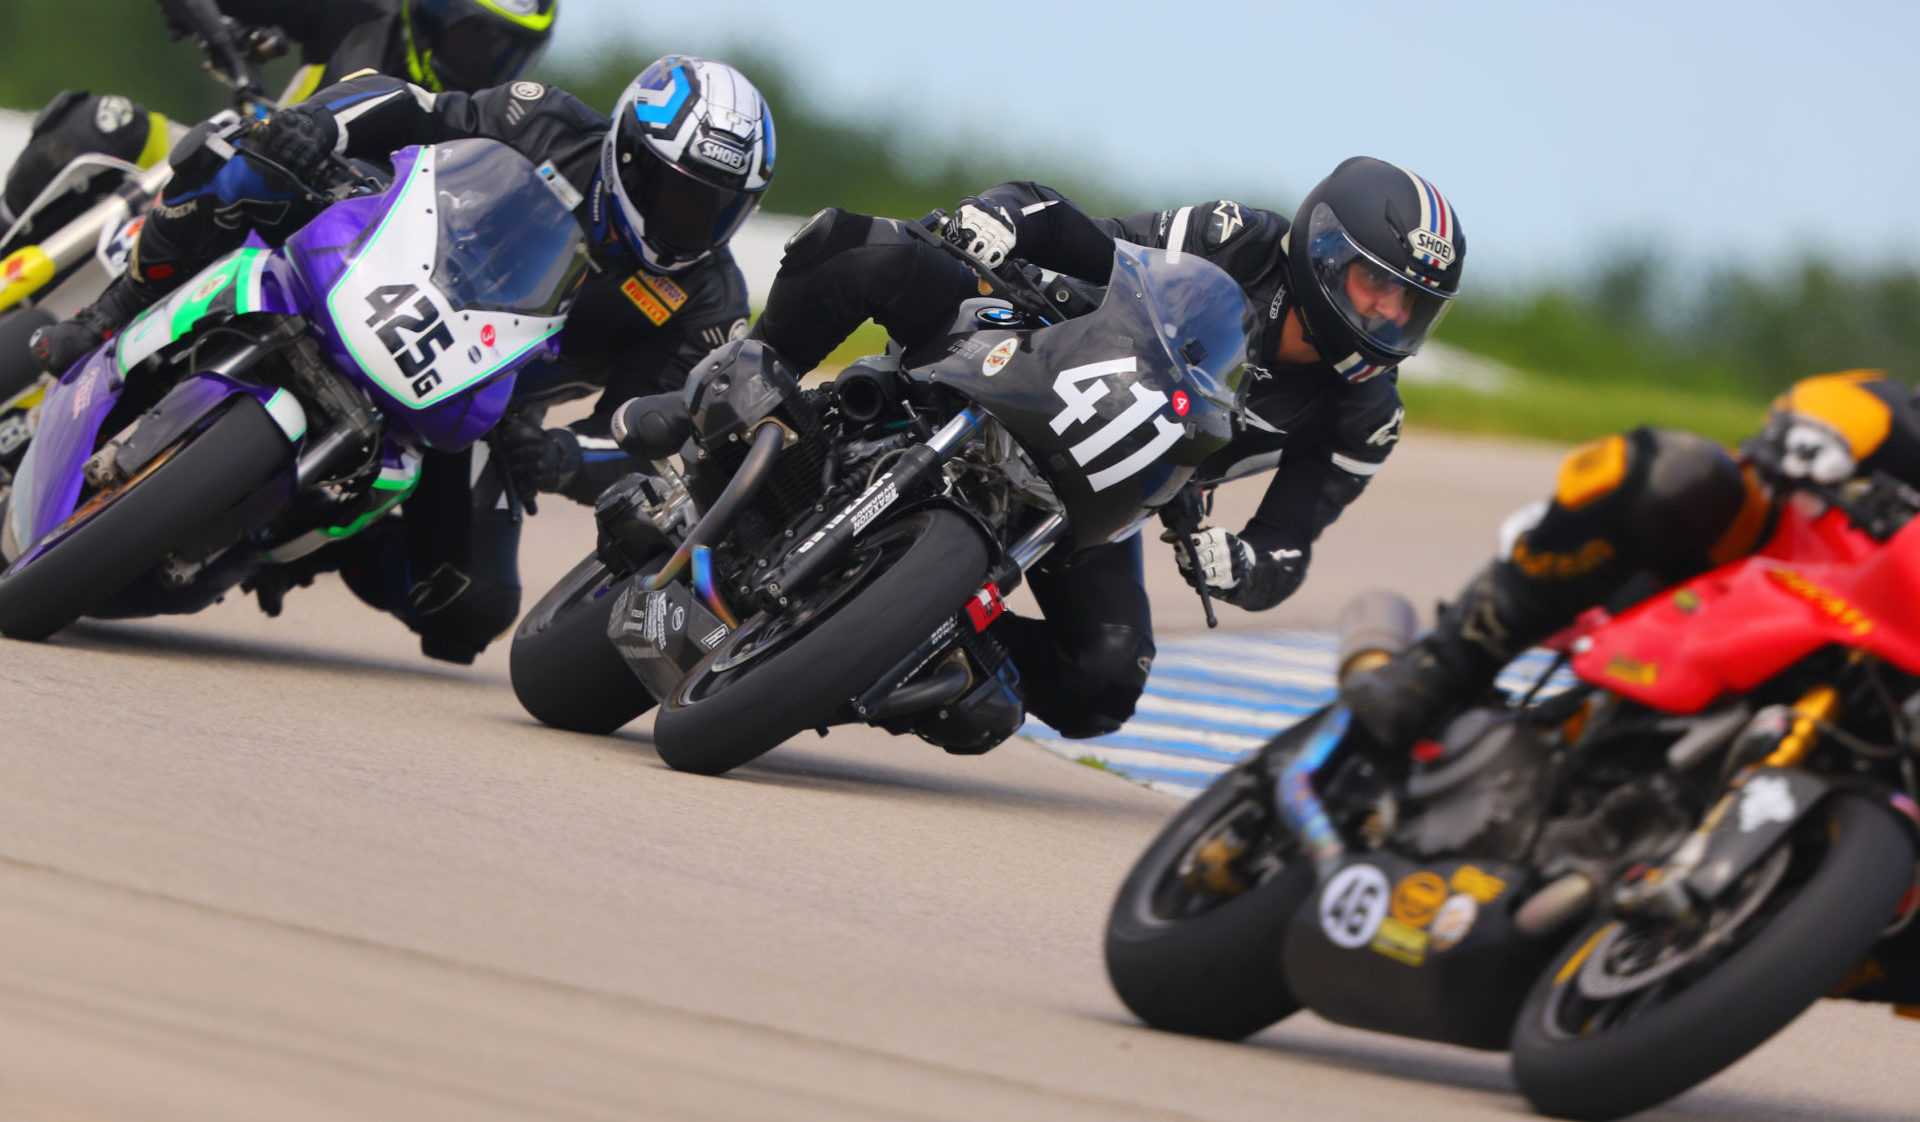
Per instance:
x=1818, y=581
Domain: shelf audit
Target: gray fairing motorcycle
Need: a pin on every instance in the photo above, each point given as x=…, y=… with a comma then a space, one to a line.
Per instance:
x=835, y=554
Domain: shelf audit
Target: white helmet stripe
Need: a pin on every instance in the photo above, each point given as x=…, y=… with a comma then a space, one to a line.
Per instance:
x=1436, y=215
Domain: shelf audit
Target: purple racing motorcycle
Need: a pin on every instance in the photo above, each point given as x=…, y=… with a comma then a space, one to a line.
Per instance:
x=282, y=399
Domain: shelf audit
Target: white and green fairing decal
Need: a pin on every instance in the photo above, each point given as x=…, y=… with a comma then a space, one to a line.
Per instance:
x=228, y=287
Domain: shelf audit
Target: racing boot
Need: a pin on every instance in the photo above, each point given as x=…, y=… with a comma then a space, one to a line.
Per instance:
x=58, y=347
x=1499, y=614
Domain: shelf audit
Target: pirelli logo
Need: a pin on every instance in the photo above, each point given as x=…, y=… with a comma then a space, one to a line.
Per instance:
x=655, y=296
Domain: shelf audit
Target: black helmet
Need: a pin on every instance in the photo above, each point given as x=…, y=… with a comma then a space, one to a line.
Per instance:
x=1374, y=261
x=470, y=45
x=688, y=158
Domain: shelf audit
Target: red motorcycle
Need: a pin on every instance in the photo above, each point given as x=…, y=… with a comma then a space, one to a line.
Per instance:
x=1630, y=884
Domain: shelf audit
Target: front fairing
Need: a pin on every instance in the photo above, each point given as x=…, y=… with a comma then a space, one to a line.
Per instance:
x=435, y=292
x=1120, y=406
x=1817, y=583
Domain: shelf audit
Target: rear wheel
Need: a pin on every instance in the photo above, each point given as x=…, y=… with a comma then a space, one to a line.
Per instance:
x=118, y=535
x=1634, y=1012
x=783, y=674
x=565, y=670
x=1194, y=938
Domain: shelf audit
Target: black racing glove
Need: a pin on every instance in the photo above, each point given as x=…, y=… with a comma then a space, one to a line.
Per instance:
x=537, y=460
x=299, y=139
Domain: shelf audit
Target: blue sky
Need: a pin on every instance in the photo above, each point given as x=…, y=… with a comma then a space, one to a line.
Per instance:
x=1719, y=130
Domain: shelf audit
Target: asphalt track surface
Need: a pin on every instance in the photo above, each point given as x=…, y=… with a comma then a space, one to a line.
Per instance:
x=287, y=869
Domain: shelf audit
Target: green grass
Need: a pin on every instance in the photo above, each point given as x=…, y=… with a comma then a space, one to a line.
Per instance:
x=1566, y=410
x=1094, y=762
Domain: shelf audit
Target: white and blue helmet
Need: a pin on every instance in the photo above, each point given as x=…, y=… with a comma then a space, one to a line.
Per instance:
x=688, y=158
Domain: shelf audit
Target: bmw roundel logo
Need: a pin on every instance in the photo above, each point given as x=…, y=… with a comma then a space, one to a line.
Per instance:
x=998, y=317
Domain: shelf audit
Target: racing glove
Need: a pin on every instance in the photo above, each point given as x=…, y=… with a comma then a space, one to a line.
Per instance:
x=1795, y=446
x=58, y=346
x=1236, y=572
x=538, y=460
x=984, y=230
x=298, y=139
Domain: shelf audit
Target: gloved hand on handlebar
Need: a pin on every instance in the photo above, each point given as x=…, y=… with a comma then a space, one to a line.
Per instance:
x=1238, y=573
x=983, y=229
x=538, y=460
x=299, y=139
x=1795, y=446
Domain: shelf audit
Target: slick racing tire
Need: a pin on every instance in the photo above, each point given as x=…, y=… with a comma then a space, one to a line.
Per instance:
x=565, y=670
x=113, y=539
x=778, y=675
x=1187, y=959
x=18, y=370
x=1576, y=1056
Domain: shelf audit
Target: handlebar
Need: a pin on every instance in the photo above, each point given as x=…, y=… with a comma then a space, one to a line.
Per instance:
x=1025, y=298
x=1182, y=518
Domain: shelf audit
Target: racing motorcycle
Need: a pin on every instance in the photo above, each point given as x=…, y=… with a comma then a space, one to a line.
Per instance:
x=281, y=400
x=1629, y=884
x=837, y=554
x=74, y=238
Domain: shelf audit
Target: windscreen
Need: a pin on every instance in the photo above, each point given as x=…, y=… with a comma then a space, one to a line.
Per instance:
x=506, y=241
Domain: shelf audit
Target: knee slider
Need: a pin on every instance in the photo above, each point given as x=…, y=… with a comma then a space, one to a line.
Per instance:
x=1104, y=670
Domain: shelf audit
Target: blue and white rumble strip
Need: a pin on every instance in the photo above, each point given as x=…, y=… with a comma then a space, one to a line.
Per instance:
x=1214, y=698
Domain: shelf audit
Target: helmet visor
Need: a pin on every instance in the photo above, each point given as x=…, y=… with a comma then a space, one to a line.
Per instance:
x=479, y=52
x=1388, y=310
x=683, y=216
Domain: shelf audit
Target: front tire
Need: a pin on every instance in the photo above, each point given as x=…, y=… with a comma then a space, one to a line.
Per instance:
x=1188, y=959
x=1578, y=1057
x=135, y=528
x=565, y=670
x=779, y=675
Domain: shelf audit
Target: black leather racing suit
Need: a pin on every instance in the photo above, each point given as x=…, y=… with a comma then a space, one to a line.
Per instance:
x=631, y=332
x=1084, y=665
x=336, y=38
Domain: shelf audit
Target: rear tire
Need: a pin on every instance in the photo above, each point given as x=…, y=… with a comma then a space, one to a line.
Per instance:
x=1215, y=971
x=921, y=569
x=214, y=471
x=565, y=670
x=1570, y=1063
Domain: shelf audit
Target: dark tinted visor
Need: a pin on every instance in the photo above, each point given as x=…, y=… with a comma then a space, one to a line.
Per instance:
x=477, y=52
x=684, y=215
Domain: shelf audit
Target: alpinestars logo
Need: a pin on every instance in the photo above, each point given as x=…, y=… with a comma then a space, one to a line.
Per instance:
x=1227, y=221
x=1389, y=432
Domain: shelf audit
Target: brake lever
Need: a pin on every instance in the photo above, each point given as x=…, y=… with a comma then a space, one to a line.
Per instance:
x=1028, y=302
x=1181, y=517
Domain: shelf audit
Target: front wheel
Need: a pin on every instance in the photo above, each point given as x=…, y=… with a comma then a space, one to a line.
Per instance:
x=116, y=536
x=1634, y=1012
x=779, y=675
x=565, y=670
x=1193, y=942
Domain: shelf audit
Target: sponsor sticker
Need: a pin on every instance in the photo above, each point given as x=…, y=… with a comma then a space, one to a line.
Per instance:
x=1181, y=403
x=986, y=606
x=487, y=335
x=644, y=299
x=1766, y=799
x=1400, y=942
x=1353, y=905
x=1477, y=883
x=209, y=288
x=712, y=638
x=998, y=357
x=875, y=507
x=1417, y=898
x=721, y=155
x=1452, y=922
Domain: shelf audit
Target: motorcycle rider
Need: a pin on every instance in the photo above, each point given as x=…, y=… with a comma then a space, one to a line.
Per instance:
x=1348, y=289
x=1633, y=513
x=662, y=187
x=441, y=45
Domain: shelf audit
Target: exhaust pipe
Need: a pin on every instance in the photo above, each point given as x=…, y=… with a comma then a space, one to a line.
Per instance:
x=1374, y=626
